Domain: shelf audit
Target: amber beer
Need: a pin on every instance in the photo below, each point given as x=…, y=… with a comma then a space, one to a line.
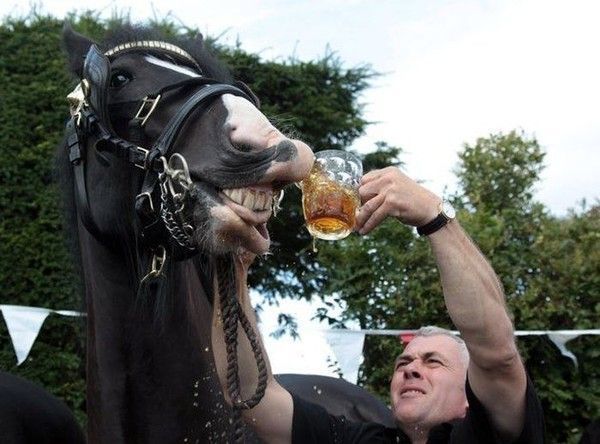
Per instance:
x=329, y=195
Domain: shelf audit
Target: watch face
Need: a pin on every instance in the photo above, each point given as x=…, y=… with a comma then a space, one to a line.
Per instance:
x=448, y=210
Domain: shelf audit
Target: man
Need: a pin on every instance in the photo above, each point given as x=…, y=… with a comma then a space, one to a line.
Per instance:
x=442, y=389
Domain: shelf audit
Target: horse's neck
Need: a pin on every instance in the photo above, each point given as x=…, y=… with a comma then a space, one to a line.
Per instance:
x=144, y=374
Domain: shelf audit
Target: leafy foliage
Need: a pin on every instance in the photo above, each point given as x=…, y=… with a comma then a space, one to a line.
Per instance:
x=35, y=265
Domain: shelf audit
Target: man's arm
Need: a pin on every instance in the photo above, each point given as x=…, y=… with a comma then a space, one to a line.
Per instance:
x=271, y=419
x=475, y=302
x=472, y=293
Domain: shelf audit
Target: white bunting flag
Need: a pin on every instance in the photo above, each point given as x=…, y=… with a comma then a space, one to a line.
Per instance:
x=348, y=349
x=560, y=340
x=24, y=324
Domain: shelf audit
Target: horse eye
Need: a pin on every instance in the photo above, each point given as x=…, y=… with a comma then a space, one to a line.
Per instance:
x=119, y=79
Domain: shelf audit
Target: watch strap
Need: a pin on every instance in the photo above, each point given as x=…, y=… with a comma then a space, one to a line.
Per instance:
x=438, y=222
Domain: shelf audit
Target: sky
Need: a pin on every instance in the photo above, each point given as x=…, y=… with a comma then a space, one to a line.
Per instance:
x=452, y=71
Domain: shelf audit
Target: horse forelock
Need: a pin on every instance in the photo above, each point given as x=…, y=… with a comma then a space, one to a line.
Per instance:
x=194, y=46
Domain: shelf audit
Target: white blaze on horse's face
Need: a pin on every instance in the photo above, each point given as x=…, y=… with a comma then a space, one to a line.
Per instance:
x=247, y=125
x=173, y=67
x=241, y=221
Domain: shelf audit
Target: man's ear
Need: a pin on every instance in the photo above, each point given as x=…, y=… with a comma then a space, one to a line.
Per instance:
x=76, y=47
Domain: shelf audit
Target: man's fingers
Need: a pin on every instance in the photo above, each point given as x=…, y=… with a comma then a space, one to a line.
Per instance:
x=370, y=189
x=367, y=209
x=374, y=220
x=371, y=175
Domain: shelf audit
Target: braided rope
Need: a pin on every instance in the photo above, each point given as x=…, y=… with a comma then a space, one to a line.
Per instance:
x=233, y=314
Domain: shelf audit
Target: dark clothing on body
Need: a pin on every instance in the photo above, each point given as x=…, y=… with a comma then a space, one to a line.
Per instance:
x=312, y=424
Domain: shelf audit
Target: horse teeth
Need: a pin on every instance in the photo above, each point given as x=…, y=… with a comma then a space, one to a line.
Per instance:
x=236, y=195
x=248, y=201
x=255, y=200
x=239, y=195
x=260, y=201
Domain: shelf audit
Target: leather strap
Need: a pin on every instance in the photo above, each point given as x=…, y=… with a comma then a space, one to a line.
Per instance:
x=202, y=97
x=77, y=159
x=96, y=69
x=438, y=222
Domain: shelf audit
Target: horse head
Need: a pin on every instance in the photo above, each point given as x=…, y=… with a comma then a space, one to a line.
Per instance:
x=232, y=162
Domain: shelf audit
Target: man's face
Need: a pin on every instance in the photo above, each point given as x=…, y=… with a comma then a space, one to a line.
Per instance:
x=428, y=384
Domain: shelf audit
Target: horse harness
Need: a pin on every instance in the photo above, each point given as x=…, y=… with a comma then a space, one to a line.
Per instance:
x=90, y=125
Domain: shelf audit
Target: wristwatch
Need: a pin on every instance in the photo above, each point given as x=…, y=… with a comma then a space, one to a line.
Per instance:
x=447, y=213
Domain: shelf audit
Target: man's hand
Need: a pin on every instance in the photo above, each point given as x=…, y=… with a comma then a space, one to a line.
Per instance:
x=472, y=293
x=389, y=192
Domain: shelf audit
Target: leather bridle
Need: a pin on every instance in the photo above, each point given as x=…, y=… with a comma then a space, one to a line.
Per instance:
x=160, y=203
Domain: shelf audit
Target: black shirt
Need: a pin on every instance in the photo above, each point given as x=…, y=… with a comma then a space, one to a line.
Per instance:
x=312, y=424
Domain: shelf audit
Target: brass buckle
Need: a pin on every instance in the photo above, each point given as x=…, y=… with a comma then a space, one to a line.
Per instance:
x=149, y=196
x=77, y=99
x=158, y=263
x=144, y=151
x=146, y=109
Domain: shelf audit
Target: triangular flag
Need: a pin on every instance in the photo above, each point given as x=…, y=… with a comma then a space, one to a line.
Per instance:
x=560, y=340
x=347, y=348
x=406, y=338
x=69, y=313
x=24, y=324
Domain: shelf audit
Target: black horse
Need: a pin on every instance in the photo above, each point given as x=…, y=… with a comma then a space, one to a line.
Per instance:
x=169, y=170
x=29, y=414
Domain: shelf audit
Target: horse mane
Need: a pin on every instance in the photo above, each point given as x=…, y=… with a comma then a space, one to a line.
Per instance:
x=63, y=177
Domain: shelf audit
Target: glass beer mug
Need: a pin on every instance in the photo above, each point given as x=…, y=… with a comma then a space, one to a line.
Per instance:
x=330, y=194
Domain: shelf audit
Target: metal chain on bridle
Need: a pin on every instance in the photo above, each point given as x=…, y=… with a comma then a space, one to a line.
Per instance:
x=174, y=183
x=232, y=314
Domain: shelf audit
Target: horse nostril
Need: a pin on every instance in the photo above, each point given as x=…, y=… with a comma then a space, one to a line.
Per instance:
x=243, y=147
x=286, y=150
x=279, y=185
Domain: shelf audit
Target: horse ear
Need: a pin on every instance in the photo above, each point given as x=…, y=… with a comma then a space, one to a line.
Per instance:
x=76, y=46
x=198, y=40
